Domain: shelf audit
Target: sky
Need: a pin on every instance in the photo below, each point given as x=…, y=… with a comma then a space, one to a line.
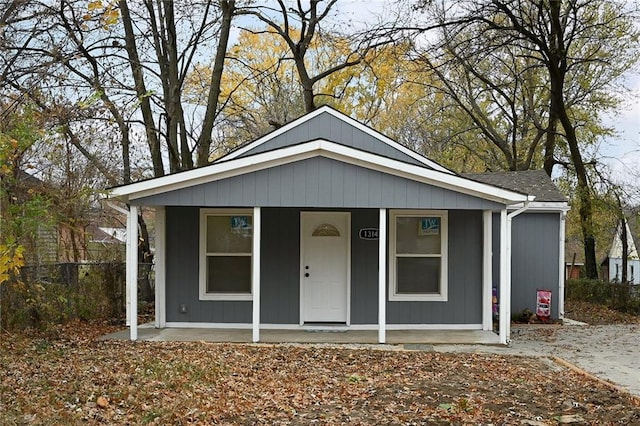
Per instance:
x=622, y=153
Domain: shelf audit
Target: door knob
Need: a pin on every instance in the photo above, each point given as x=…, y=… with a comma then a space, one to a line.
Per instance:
x=306, y=275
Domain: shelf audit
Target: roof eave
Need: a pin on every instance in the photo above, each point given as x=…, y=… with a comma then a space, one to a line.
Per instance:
x=318, y=147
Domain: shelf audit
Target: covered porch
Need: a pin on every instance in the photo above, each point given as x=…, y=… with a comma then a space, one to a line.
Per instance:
x=380, y=333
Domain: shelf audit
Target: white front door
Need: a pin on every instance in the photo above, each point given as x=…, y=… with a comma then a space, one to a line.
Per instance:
x=324, y=266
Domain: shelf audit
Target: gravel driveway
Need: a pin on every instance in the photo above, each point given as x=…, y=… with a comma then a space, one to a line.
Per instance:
x=610, y=352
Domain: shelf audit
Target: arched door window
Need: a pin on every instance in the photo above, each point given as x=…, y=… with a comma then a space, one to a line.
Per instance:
x=326, y=230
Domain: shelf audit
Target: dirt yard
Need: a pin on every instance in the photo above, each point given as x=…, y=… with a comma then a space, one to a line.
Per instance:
x=65, y=376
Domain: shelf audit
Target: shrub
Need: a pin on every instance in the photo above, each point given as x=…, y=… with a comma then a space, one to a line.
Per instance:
x=621, y=297
x=40, y=296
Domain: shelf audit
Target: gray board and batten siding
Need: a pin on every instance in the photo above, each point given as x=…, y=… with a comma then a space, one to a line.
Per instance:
x=318, y=182
x=535, y=250
x=328, y=127
x=280, y=273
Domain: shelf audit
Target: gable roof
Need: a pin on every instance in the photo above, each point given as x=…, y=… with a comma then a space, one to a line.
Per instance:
x=384, y=143
x=319, y=147
x=616, y=246
x=534, y=182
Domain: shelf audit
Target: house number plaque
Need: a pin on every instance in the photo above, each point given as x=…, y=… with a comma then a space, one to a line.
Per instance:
x=369, y=233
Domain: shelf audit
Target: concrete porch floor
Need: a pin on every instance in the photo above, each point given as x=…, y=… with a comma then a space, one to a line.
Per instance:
x=147, y=332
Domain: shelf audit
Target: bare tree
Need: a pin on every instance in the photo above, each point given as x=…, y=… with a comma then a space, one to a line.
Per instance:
x=300, y=27
x=589, y=42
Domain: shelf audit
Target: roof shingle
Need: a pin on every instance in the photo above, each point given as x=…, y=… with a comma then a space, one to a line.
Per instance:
x=532, y=182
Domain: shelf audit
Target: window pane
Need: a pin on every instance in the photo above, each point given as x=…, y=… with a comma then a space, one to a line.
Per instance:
x=229, y=274
x=417, y=275
x=229, y=234
x=409, y=240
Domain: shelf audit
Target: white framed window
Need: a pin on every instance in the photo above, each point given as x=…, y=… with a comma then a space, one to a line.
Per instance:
x=226, y=238
x=418, y=241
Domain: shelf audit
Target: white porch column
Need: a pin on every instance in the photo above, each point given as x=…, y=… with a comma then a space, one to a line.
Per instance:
x=382, y=277
x=509, y=227
x=132, y=270
x=255, y=274
x=160, y=271
x=504, y=294
x=487, y=271
x=562, y=272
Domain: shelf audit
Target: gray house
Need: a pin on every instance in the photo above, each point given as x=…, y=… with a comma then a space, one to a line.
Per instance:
x=327, y=223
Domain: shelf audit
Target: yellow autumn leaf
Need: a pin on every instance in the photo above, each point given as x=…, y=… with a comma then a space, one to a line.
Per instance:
x=11, y=259
x=111, y=17
x=94, y=5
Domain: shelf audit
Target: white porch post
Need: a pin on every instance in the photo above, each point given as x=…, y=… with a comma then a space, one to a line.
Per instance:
x=487, y=272
x=504, y=294
x=509, y=283
x=132, y=270
x=509, y=227
x=562, y=272
x=255, y=274
x=382, y=277
x=160, y=271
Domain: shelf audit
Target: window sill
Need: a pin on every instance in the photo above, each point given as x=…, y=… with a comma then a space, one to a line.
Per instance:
x=418, y=297
x=231, y=297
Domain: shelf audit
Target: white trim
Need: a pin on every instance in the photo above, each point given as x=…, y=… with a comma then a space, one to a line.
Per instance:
x=202, y=256
x=255, y=274
x=442, y=295
x=160, y=267
x=562, y=271
x=118, y=208
x=354, y=327
x=504, y=319
x=510, y=217
x=248, y=147
x=132, y=270
x=348, y=322
x=382, y=276
x=543, y=206
x=487, y=270
x=315, y=148
x=345, y=118
x=348, y=264
x=220, y=325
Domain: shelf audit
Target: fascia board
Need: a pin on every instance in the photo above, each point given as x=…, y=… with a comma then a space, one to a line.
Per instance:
x=388, y=141
x=345, y=118
x=433, y=177
x=311, y=149
x=241, y=150
x=216, y=171
x=545, y=206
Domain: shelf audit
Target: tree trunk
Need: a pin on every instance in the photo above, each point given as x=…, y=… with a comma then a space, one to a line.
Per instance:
x=204, y=141
x=557, y=72
x=550, y=142
x=141, y=90
x=145, y=258
x=625, y=249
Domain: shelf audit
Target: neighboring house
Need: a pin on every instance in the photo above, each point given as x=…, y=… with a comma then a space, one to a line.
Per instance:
x=106, y=243
x=574, y=270
x=612, y=264
x=328, y=223
x=89, y=242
